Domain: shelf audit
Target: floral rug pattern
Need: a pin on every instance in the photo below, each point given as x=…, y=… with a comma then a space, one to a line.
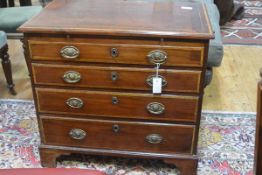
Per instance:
x=226, y=145
x=247, y=30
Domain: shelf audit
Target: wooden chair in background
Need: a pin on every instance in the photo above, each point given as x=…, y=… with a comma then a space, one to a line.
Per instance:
x=6, y=64
x=11, y=19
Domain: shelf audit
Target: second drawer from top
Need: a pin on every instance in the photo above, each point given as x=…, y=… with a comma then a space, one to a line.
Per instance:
x=126, y=78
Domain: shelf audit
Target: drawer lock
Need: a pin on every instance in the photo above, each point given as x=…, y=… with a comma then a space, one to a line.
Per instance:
x=116, y=128
x=115, y=100
x=114, y=76
x=114, y=52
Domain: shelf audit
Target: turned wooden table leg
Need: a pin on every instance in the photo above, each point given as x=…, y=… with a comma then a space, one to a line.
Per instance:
x=7, y=68
x=185, y=166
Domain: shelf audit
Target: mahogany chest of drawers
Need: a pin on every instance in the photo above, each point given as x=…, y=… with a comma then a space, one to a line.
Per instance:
x=93, y=65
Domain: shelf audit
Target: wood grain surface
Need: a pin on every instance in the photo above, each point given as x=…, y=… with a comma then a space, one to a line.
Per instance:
x=171, y=19
x=129, y=37
x=98, y=52
x=130, y=105
x=131, y=135
x=111, y=77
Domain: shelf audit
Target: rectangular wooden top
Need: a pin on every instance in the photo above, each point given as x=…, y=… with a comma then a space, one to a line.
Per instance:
x=143, y=18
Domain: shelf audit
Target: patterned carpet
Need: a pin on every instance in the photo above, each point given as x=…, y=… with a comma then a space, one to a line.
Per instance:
x=249, y=29
x=226, y=145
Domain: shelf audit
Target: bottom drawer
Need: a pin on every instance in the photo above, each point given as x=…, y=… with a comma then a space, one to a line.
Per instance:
x=118, y=135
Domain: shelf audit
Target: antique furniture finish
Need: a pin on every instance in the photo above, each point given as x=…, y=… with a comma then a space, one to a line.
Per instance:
x=258, y=145
x=92, y=65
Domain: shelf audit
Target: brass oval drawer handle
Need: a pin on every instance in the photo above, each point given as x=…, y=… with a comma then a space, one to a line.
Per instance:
x=69, y=52
x=77, y=134
x=75, y=103
x=71, y=77
x=155, y=108
x=157, y=56
x=154, y=138
x=149, y=80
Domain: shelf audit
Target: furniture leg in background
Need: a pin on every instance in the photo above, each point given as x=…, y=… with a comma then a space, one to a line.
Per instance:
x=43, y=2
x=7, y=68
x=25, y=2
x=3, y=3
x=11, y=3
x=11, y=19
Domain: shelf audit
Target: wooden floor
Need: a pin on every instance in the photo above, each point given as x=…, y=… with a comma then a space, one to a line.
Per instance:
x=233, y=87
x=234, y=84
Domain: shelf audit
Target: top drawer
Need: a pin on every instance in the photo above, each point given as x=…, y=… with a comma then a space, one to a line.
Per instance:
x=146, y=54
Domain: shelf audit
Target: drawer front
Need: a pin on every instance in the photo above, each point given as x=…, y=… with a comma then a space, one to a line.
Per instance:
x=118, y=135
x=117, y=53
x=115, y=77
x=115, y=104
